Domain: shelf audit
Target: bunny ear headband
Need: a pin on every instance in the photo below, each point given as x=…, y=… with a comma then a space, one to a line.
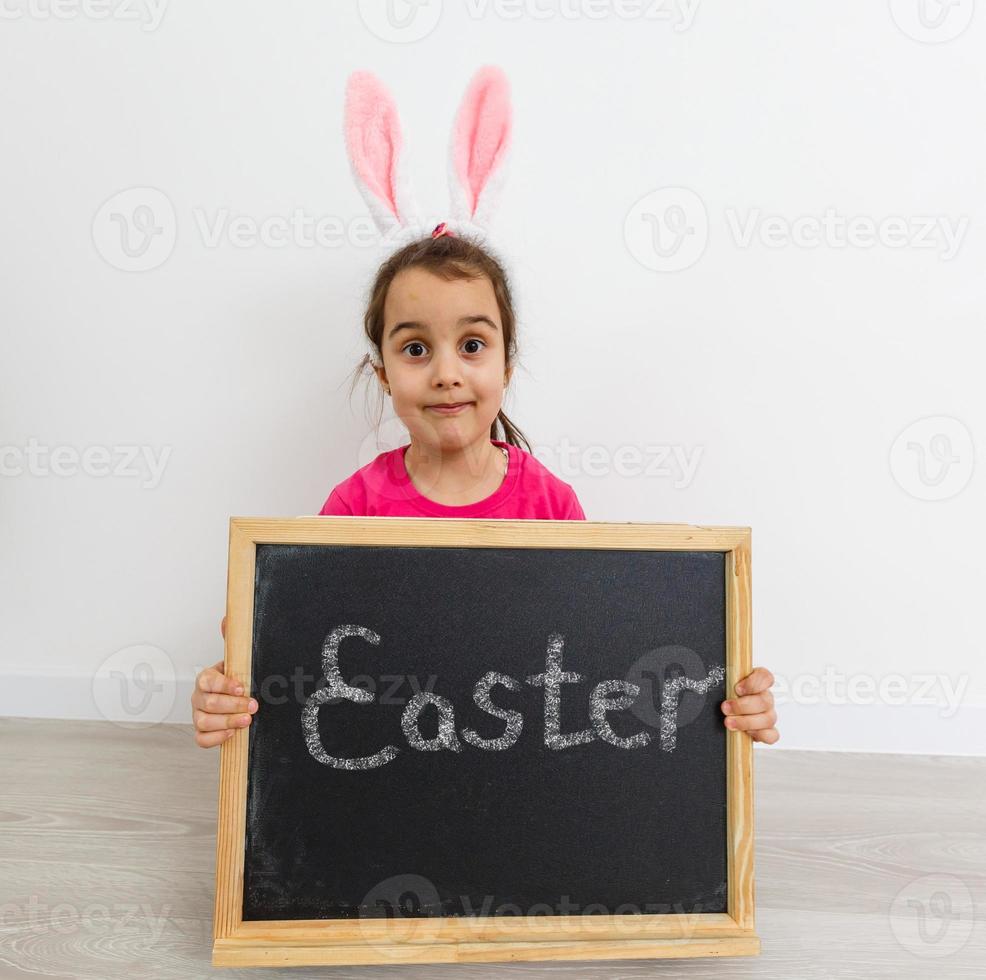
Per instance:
x=477, y=157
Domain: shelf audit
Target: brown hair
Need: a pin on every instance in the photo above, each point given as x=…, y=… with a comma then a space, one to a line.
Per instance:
x=450, y=258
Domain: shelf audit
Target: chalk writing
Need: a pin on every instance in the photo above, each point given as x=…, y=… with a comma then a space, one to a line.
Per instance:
x=606, y=696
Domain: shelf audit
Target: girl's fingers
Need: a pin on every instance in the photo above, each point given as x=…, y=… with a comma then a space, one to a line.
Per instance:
x=752, y=710
x=218, y=708
x=749, y=704
x=212, y=679
x=759, y=679
x=206, y=722
x=206, y=740
x=767, y=735
x=222, y=704
x=746, y=723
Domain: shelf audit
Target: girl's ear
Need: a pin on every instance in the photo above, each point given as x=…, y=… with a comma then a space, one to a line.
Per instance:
x=376, y=152
x=479, y=147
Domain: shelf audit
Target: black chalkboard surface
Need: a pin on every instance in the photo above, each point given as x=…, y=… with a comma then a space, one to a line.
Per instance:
x=471, y=732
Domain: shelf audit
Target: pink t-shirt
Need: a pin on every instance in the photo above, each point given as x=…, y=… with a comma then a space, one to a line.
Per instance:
x=383, y=488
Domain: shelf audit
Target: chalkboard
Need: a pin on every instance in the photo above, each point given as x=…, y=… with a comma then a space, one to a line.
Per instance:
x=490, y=725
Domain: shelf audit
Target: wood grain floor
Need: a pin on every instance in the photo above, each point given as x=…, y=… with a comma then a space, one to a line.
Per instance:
x=867, y=866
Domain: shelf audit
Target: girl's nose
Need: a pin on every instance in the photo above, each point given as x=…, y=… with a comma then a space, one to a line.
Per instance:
x=445, y=371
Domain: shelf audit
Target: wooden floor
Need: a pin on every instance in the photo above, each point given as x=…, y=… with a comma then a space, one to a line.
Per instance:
x=867, y=866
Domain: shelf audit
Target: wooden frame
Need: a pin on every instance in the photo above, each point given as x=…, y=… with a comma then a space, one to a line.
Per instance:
x=313, y=942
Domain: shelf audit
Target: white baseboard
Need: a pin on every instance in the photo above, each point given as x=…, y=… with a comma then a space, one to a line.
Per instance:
x=79, y=697
x=906, y=728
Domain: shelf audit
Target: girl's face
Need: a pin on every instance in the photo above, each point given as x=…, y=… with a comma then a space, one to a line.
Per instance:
x=443, y=343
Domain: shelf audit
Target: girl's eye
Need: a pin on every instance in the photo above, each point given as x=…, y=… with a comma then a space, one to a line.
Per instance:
x=417, y=343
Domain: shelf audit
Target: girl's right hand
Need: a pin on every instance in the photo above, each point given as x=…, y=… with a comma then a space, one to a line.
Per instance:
x=218, y=707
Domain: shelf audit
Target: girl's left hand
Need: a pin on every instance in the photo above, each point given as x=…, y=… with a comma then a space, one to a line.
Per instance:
x=753, y=712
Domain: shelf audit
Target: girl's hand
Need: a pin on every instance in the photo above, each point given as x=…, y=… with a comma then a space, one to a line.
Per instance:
x=218, y=707
x=753, y=712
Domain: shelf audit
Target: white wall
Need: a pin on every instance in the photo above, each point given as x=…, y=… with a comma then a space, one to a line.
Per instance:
x=785, y=372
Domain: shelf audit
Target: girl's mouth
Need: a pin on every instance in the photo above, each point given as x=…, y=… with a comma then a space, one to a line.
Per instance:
x=450, y=409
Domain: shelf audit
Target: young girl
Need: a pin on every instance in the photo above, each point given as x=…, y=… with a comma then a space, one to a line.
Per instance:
x=442, y=320
x=441, y=331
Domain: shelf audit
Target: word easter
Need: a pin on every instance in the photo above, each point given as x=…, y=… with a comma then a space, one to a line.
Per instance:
x=606, y=696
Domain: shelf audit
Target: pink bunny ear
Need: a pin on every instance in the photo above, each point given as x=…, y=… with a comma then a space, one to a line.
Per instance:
x=479, y=146
x=376, y=155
